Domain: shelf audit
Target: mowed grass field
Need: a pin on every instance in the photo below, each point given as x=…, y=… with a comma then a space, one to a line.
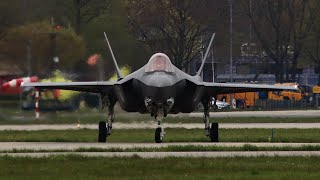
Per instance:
x=187, y=148
x=77, y=167
x=92, y=117
x=172, y=135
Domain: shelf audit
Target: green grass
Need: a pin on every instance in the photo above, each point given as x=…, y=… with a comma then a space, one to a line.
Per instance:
x=77, y=167
x=85, y=117
x=188, y=148
x=173, y=135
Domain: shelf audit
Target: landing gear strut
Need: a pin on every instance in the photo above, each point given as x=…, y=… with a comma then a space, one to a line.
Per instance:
x=158, y=110
x=213, y=131
x=159, y=134
x=105, y=130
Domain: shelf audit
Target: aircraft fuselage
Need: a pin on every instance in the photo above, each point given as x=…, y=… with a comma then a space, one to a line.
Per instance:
x=158, y=89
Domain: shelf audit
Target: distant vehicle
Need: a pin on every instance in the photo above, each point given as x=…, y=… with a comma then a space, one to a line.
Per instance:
x=158, y=88
x=292, y=95
x=312, y=93
x=248, y=98
x=222, y=104
x=307, y=92
x=316, y=89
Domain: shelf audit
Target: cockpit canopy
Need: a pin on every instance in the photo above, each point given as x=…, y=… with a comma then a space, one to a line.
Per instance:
x=159, y=62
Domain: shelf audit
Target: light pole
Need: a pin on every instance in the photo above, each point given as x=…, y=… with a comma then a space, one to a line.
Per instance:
x=26, y=5
x=250, y=30
x=29, y=64
x=231, y=65
x=212, y=66
x=54, y=65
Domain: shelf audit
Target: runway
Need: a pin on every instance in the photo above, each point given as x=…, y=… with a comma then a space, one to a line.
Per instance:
x=37, y=127
x=51, y=146
x=61, y=146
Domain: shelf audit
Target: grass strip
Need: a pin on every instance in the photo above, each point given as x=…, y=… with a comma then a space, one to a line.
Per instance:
x=189, y=148
x=172, y=135
x=84, y=117
x=78, y=167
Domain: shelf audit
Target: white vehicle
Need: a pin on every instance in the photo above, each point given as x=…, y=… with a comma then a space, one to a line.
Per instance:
x=220, y=104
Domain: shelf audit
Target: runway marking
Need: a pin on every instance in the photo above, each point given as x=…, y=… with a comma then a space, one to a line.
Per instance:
x=165, y=125
x=169, y=154
x=37, y=146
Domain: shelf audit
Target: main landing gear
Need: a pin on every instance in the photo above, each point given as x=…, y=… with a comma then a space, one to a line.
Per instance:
x=103, y=132
x=213, y=131
x=105, y=129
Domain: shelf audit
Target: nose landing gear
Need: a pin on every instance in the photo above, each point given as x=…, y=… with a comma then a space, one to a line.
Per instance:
x=159, y=134
x=158, y=110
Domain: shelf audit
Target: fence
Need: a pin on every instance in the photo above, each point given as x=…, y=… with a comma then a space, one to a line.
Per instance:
x=281, y=104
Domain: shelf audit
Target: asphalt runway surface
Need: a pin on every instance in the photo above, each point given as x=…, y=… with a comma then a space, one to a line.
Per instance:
x=37, y=127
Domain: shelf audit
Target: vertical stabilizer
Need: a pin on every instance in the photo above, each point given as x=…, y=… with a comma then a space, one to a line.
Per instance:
x=205, y=57
x=114, y=59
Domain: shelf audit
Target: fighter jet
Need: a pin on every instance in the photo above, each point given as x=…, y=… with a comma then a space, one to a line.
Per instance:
x=158, y=88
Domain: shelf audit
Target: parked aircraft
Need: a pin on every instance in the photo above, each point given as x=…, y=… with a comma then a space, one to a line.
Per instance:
x=158, y=88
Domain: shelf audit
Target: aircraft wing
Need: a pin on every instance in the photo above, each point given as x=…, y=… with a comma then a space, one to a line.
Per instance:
x=93, y=87
x=225, y=88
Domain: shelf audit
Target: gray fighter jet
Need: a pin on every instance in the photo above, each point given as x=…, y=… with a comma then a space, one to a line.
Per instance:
x=158, y=88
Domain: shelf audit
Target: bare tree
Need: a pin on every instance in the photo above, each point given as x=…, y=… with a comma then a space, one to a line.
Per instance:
x=87, y=10
x=303, y=14
x=270, y=23
x=312, y=48
x=174, y=26
x=10, y=14
x=69, y=47
x=281, y=27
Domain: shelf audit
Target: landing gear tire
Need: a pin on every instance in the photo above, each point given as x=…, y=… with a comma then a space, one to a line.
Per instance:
x=102, y=136
x=214, y=132
x=158, y=135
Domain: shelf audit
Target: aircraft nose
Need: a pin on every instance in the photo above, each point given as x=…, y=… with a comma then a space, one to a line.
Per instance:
x=160, y=80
